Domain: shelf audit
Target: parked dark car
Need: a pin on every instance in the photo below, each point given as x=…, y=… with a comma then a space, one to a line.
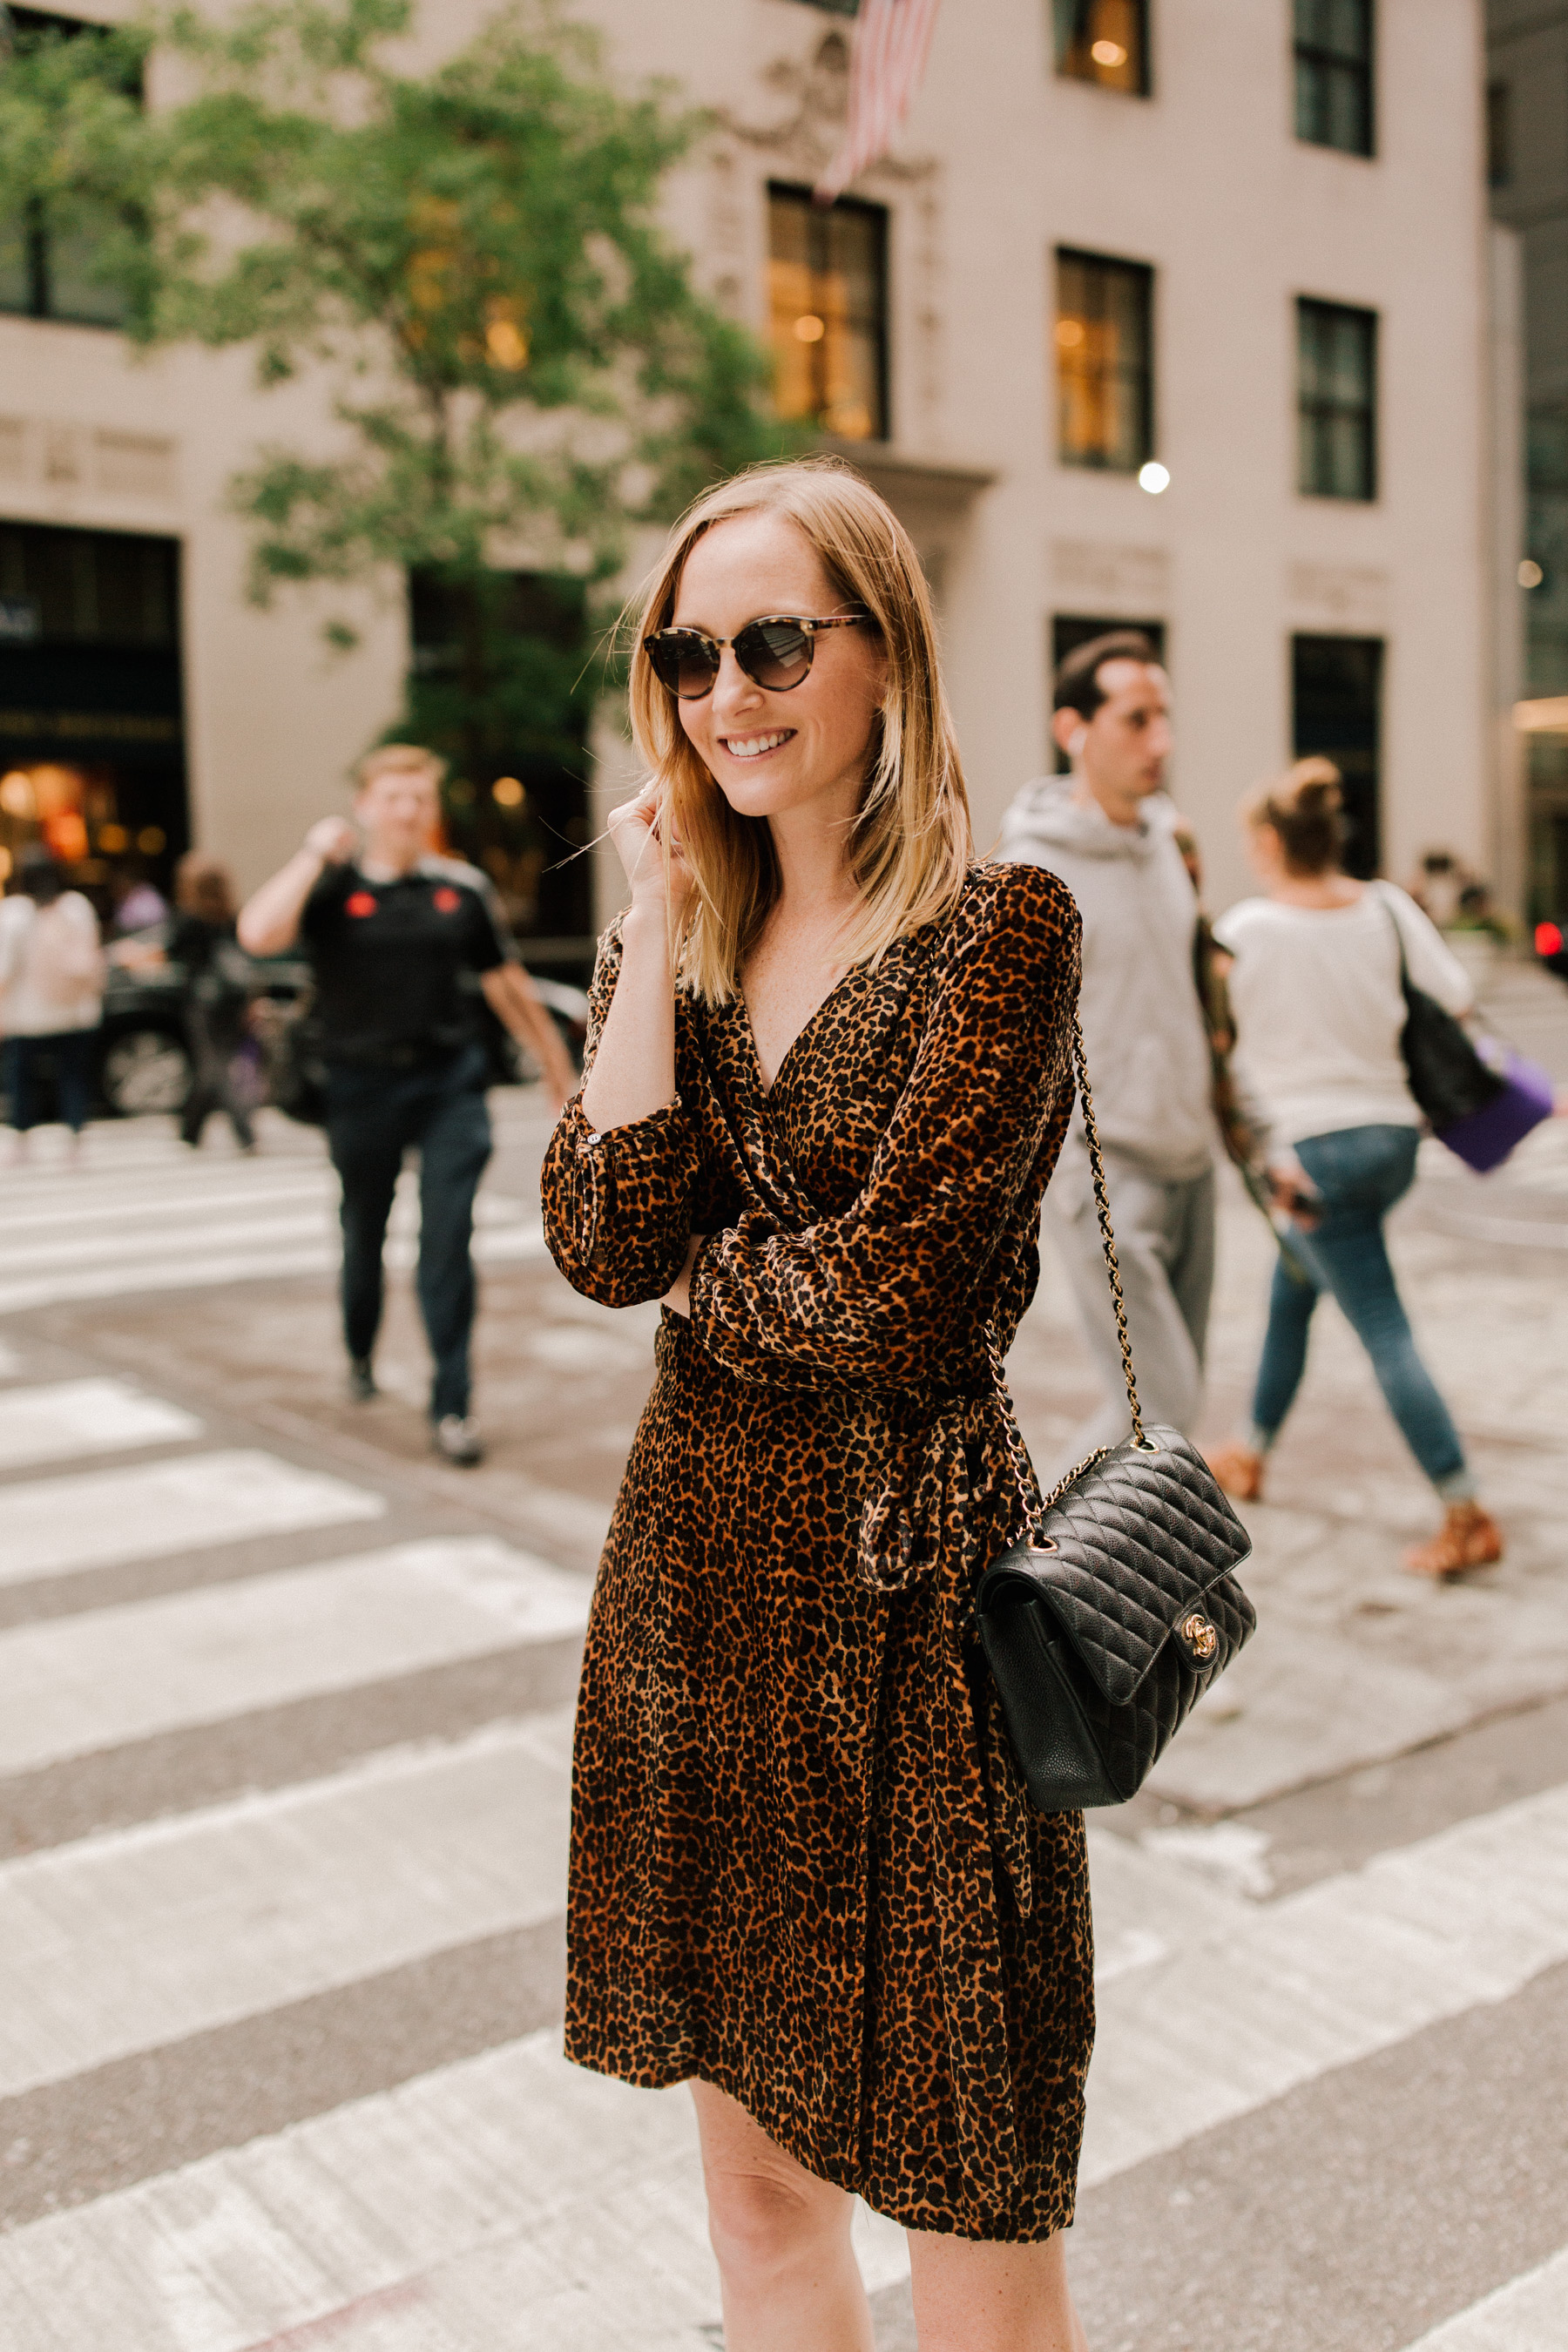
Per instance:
x=146, y=1063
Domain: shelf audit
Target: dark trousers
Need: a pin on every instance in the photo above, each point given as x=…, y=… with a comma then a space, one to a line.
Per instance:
x=374, y=1116
x=70, y=1054
x=214, y=1033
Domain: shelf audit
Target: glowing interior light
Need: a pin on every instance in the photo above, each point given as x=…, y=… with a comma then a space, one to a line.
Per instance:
x=1069, y=333
x=1530, y=574
x=809, y=328
x=507, y=792
x=1109, y=54
x=505, y=345
x=1153, y=478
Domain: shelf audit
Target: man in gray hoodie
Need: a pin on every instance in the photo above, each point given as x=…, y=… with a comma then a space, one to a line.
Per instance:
x=1109, y=830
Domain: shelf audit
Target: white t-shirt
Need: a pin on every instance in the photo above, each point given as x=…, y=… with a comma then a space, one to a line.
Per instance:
x=51, y=967
x=1319, y=1008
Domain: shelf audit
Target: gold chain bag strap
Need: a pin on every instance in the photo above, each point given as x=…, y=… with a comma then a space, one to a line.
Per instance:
x=1117, y=1603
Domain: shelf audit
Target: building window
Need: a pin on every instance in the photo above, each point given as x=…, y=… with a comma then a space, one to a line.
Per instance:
x=1336, y=693
x=1333, y=74
x=1499, y=140
x=1105, y=41
x=1070, y=630
x=1337, y=393
x=91, y=726
x=827, y=294
x=49, y=266
x=1105, y=394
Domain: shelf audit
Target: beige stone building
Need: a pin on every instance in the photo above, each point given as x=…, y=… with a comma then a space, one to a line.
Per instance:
x=1172, y=311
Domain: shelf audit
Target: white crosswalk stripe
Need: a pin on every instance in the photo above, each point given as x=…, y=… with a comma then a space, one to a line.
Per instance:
x=1529, y=2315
x=122, y=1942
x=143, y=1213
x=507, y=2200
x=56, y=1526
x=68, y=1418
x=112, y=1676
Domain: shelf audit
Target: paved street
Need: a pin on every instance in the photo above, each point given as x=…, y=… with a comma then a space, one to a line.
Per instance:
x=284, y=1785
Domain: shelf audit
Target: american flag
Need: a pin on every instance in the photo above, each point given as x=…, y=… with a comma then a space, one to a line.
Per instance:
x=891, y=38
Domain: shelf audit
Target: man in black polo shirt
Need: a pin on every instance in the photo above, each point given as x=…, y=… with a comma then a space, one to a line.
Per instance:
x=395, y=934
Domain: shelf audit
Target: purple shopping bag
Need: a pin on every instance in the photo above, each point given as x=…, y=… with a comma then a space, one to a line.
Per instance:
x=1484, y=1139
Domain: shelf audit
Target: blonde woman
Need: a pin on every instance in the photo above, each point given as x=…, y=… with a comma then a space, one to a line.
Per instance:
x=827, y=1080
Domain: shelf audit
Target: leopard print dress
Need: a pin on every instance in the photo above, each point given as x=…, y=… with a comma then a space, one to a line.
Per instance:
x=802, y=1865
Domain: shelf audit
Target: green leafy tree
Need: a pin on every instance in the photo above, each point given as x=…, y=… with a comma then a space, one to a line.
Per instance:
x=522, y=369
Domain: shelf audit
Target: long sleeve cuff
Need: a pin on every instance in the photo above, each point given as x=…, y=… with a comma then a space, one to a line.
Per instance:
x=617, y=1202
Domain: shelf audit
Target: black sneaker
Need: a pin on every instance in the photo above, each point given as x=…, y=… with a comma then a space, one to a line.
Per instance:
x=455, y=1438
x=362, y=1379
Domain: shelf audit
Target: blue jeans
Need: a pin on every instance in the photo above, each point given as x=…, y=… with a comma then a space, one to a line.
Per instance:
x=374, y=1116
x=1361, y=1172
x=70, y=1054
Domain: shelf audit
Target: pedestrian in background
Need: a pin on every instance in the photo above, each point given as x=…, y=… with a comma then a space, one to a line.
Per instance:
x=138, y=905
x=397, y=936
x=1111, y=832
x=51, y=995
x=830, y=1076
x=220, y=984
x=1316, y=992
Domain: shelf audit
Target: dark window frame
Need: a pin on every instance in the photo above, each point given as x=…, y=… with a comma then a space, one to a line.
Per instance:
x=1320, y=69
x=1073, y=37
x=1319, y=709
x=1323, y=411
x=35, y=232
x=1141, y=272
x=882, y=216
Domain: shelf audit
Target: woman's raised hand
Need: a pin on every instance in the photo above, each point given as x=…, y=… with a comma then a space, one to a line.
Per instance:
x=656, y=868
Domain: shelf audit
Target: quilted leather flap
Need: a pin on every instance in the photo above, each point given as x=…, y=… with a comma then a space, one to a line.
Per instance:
x=1139, y=1540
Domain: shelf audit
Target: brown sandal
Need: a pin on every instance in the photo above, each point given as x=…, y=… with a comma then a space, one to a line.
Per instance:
x=1468, y=1537
x=1238, y=1470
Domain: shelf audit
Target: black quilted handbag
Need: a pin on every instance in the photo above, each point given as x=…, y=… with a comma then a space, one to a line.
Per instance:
x=1107, y=1620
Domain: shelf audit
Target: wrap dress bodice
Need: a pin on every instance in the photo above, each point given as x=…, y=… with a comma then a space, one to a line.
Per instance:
x=802, y=1865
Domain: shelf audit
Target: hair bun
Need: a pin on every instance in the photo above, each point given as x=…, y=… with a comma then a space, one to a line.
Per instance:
x=1312, y=789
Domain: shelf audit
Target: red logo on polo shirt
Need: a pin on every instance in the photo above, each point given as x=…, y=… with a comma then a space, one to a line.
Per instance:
x=445, y=901
x=359, y=902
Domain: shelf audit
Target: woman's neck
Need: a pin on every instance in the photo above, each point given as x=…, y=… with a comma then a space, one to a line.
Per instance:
x=1321, y=890
x=815, y=876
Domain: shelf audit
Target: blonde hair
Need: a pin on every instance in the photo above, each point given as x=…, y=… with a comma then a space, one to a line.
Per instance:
x=398, y=759
x=909, y=846
x=1303, y=807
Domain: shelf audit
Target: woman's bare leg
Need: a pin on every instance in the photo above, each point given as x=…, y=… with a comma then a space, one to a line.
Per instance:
x=781, y=2237
x=973, y=2296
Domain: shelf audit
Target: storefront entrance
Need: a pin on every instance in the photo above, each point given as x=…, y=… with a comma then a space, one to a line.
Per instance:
x=91, y=712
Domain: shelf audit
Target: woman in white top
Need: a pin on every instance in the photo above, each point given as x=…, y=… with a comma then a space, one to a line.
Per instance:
x=1319, y=1008
x=52, y=992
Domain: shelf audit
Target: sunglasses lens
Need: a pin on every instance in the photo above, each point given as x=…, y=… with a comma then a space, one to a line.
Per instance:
x=683, y=662
x=775, y=654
